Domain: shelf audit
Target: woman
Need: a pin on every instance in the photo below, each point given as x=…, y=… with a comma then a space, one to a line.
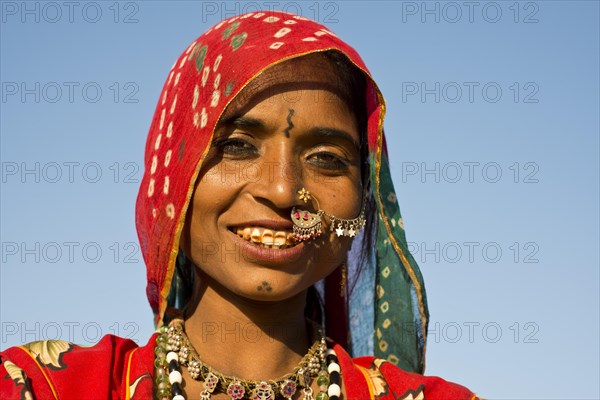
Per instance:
x=266, y=202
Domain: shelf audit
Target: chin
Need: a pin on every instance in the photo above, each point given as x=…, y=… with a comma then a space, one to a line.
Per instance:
x=268, y=287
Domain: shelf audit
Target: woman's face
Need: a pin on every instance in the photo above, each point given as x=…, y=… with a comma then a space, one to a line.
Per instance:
x=289, y=129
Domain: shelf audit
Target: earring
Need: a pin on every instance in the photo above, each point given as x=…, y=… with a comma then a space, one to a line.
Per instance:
x=307, y=225
x=343, y=279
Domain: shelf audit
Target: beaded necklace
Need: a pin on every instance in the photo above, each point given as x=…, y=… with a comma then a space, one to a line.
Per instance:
x=174, y=349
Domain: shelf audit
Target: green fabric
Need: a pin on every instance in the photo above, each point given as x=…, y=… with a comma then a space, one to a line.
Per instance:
x=398, y=324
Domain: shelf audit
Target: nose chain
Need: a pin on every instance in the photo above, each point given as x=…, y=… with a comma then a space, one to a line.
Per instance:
x=309, y=225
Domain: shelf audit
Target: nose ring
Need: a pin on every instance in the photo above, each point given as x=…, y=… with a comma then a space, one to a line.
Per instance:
x=308, y=225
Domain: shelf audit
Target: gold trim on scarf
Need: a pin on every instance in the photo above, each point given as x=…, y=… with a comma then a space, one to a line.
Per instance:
x=407, y=266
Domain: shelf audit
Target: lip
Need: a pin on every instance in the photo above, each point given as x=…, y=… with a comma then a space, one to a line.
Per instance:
x=264, y=255
x=280, y=225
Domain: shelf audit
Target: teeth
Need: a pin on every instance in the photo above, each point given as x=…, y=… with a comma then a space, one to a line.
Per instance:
x=255, y=236
x=267, y=237
x=279, y=239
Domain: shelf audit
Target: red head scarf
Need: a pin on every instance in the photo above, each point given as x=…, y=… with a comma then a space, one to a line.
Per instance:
x=209, y=74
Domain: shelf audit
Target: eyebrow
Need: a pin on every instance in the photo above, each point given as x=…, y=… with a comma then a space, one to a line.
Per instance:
x=244, y=122
x=333, y=133
x=318, y=132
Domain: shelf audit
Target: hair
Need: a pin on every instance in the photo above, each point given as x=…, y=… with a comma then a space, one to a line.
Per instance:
x=352, y=82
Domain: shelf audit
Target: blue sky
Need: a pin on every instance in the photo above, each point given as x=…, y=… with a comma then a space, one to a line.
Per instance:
x=492, y=131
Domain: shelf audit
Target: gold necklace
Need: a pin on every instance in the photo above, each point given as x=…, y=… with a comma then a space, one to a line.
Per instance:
x=179, y=350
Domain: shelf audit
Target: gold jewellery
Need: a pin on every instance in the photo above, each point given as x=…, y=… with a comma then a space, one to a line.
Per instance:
x=174, y=350
x=308, y=225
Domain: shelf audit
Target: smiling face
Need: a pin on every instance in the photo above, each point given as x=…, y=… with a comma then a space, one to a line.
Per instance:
x=290, y=128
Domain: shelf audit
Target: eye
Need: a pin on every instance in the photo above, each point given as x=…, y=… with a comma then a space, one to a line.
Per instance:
x=329, y=161
x=235, y=147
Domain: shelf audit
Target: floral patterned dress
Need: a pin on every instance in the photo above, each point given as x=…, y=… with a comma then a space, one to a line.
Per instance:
x=117, y=368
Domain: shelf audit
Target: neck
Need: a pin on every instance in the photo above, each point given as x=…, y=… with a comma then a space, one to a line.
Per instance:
x=244, y=338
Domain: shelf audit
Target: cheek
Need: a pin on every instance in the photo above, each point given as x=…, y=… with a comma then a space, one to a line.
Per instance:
x=221, y=175
x=213, y=193
x=341, y=198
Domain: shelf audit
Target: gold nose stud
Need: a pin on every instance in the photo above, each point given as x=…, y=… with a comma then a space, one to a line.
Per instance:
x=304, y=194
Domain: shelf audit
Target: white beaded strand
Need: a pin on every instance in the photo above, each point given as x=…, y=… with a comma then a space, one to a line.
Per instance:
x=334, y=390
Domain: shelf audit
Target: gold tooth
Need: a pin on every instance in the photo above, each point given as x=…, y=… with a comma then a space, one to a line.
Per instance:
x=255, y=235
x=267, y=237
x=279, y=239
x=289, y=240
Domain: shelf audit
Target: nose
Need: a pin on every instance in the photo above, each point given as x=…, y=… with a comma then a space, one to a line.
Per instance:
x=279, y=181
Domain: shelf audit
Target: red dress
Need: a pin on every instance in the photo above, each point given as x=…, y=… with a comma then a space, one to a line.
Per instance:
x=117, y=368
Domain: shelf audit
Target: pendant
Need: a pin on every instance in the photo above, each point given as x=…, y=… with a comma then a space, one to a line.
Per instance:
x=263, y=391
x=304, y=377
x=307, y=225
x=194, y=369
x=205, y=395
x=235, y=390
x=210, y=383
x=288, y=389
x=308, y=394
x=340, y=231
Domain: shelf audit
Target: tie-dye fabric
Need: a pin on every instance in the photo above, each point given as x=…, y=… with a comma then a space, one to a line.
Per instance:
x=209, y=74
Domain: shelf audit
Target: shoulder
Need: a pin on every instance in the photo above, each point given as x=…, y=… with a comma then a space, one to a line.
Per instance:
x=384, y=380
x=113, y=368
